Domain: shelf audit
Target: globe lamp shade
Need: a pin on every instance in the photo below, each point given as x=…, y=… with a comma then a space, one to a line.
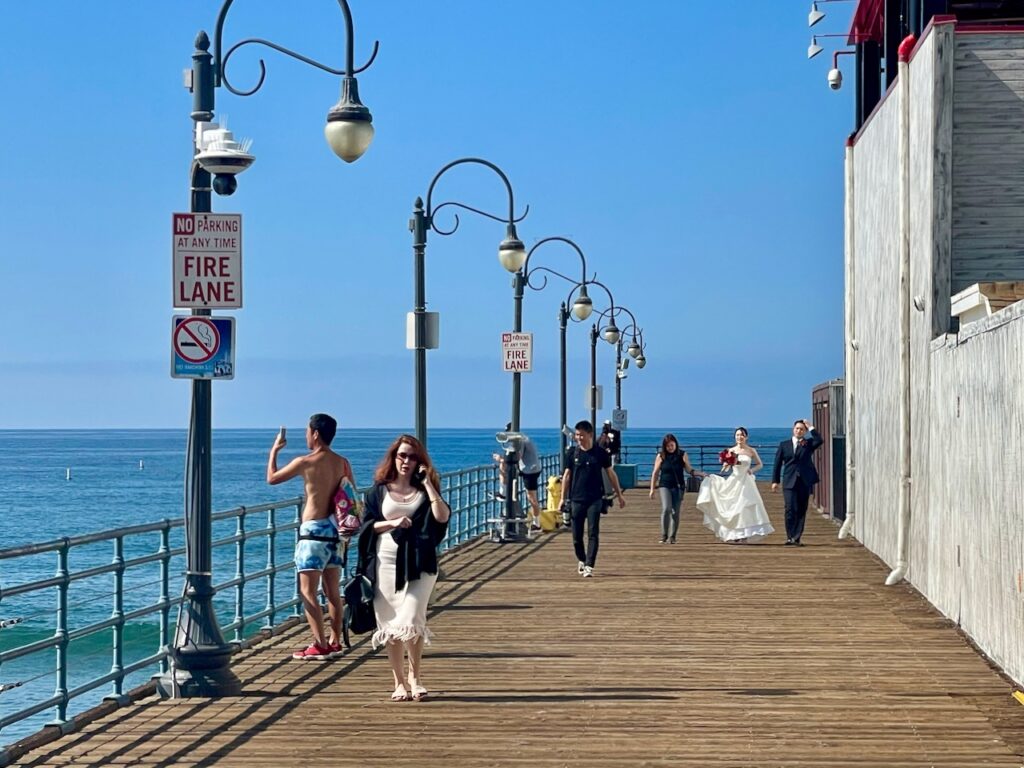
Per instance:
x=349, y=128
x=512, y=254
x=582, y=307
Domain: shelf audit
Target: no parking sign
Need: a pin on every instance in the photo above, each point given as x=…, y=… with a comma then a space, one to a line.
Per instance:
x=202, y=347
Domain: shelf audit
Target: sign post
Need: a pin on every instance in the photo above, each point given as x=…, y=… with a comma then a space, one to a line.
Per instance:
x=207, y=256
x=517, y=352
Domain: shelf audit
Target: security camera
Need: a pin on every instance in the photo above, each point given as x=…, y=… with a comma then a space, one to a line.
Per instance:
x=835, y=79
x=225, y=184
x=222, y=156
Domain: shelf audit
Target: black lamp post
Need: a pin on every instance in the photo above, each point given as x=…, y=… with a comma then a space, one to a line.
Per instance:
x=581, y=309
x=633, y=350
x=200, y=657
x=609, y=333
x=423, y=327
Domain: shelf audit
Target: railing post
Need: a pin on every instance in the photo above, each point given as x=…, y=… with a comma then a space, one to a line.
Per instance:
x=297, y=608
x=117, y=666
x=472, y=502
x=271, y=564
x=61, y=634
x=240, y=576
x=470, y=510
x=165, y=592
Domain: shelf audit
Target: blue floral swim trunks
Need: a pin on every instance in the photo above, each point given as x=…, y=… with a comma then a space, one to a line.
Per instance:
x=314, y=555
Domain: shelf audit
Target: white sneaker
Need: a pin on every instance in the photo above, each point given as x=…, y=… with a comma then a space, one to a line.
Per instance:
x=587, y=572
x=581, y=567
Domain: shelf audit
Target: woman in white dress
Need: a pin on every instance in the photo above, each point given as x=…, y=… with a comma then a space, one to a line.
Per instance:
x=409, y=519
x=732, y=505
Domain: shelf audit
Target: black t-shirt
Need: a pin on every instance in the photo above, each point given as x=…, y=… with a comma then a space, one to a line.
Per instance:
x=586, y=468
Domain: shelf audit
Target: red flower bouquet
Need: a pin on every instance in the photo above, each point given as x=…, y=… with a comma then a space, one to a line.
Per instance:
x=727, y=457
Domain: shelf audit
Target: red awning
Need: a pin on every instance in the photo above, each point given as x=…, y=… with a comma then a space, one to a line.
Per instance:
x=868, y=22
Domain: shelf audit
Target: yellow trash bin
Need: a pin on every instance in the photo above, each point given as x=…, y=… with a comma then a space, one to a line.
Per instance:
x=550, y=516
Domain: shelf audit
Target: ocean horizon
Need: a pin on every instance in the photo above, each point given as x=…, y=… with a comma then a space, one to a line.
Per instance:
x=63, y=482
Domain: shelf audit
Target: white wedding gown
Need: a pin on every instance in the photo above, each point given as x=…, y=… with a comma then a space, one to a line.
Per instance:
x=732, y=505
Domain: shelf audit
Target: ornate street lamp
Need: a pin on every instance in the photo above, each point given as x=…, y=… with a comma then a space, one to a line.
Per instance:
x=634, y=350
x=349, y=128
x=582, y=307
x=613, y=335
x=423, y=325
x=199, y=656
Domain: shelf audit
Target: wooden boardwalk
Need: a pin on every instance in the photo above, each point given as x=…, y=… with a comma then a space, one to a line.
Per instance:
x=693, y=654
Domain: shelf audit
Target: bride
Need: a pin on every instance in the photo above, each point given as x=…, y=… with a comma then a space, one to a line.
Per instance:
x=732, y=505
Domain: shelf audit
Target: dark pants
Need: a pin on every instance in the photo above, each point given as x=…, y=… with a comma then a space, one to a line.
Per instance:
x=591, y=515
x=796, y=509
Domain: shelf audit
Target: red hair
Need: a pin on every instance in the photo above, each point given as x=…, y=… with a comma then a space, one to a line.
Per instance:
x=387, y=472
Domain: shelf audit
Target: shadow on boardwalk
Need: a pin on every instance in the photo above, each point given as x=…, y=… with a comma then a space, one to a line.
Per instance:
x=693, y=654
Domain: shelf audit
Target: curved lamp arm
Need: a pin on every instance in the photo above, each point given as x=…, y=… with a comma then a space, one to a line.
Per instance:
x=220, y=59
x=636, y=346
x=431, y=210
x=527, y=272
x=611, y=332
x=544, y=279
x=613, y=311
x=611, y=299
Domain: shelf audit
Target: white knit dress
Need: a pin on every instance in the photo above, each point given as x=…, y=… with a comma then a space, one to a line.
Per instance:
x=401, y=615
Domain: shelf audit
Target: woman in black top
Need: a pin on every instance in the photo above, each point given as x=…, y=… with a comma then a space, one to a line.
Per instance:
x=668, y=476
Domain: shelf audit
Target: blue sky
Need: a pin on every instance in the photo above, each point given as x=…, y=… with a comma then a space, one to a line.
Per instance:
x=689, y=148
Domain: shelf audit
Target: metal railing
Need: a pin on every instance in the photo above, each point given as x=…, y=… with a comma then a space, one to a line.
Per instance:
x=703, y=457
x=250, y=601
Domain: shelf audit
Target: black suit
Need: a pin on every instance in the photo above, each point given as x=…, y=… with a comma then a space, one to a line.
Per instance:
x=798, y=479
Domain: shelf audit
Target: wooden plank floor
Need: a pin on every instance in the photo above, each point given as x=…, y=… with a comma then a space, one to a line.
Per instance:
x=693, y=654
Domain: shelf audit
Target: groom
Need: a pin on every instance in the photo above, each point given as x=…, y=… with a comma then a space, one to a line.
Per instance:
x=793, y=461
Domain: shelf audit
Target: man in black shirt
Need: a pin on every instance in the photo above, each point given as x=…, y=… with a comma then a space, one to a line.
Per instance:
x=586, y=465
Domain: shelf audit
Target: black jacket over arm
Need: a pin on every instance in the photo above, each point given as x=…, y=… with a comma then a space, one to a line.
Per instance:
x=417, y=544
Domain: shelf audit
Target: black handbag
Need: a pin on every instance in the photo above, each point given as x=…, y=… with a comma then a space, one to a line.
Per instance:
x=360, y=617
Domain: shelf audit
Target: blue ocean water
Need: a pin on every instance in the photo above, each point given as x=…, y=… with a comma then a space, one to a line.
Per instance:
x=129, y=477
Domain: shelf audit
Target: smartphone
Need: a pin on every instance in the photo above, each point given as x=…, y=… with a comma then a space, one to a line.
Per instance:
x=421, y=472
x=282, y=433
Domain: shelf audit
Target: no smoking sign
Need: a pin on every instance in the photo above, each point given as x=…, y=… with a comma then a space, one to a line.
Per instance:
x=202, y=347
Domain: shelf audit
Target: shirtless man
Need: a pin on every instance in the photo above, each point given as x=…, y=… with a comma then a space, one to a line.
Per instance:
x=316, y=551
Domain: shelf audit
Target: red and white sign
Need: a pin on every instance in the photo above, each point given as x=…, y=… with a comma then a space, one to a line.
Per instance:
x=207, y=250
x=517, y=352
x=196, y=340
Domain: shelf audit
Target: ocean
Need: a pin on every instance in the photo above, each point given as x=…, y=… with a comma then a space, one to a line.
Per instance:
x=56, y=483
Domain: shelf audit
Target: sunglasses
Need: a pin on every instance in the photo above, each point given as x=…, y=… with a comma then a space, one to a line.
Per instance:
x=406, y=456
